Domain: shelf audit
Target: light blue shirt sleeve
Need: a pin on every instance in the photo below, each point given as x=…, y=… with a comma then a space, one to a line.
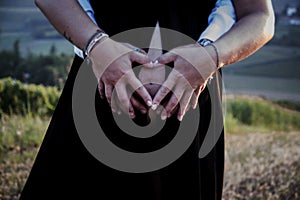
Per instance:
x=86, y=6
x=220, y=20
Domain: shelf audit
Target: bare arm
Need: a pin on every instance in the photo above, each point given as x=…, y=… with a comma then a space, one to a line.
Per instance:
x=253, y=29
x=69, y=19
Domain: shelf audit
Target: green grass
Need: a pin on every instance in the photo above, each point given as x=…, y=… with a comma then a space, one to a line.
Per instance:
x=21, y=136
x=288, y=104
x=21, y=132
x=243, y=115
x=249, y=114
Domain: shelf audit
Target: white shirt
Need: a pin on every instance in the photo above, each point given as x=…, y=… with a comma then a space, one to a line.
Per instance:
x=220, y=20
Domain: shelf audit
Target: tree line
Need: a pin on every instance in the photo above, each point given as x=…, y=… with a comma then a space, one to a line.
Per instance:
x=49, y=70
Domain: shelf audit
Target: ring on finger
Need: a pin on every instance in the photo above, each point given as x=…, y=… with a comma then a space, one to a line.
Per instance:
x=138, y=50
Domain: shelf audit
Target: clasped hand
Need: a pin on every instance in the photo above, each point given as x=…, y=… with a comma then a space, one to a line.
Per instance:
x=112, y=66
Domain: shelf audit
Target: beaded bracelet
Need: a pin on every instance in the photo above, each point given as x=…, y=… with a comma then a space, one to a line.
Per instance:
x=99, y=35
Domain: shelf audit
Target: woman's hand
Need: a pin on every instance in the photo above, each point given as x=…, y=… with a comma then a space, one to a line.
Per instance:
x=114, y=61
x=193, y=65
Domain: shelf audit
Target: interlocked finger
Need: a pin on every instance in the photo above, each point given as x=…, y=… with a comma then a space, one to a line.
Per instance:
x=184, y=103
x=138, y=105
x=194, y=98
x=163, y=91
x=115, y=104
x=124, y=100
x=174, y=99
x=108, y=92
x=101, y=89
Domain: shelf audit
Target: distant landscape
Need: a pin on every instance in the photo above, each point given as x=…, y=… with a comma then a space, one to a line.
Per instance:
x=272, y=72
x=21, y=19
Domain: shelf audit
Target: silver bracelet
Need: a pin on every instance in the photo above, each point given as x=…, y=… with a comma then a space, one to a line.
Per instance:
x=93, y=41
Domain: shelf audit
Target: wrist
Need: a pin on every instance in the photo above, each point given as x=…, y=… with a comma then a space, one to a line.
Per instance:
x=211, y=49
x=98, y=37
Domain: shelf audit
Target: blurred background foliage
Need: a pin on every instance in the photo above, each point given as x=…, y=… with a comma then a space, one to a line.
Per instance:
x=23, y=99
x=50, y=69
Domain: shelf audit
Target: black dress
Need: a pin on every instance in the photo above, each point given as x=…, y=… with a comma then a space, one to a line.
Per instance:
x=64, y=169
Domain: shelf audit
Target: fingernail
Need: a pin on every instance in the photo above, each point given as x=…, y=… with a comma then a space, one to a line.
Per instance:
x=149, y=103
x=131, y=115
x=143, y=111
x=113, y=110
x=154, y=106
x=180, y=117
x=156, y=62
x=163, y=117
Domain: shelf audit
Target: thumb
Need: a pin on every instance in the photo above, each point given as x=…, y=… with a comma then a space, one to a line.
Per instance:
x=166, y=58
x=139, y=58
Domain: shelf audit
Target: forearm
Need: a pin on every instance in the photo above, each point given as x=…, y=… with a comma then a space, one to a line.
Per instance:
x=253, y=29
x=69, y=19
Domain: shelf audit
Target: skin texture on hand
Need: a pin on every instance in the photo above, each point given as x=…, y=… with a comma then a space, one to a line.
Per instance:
x=193, y=66
x=114, y=61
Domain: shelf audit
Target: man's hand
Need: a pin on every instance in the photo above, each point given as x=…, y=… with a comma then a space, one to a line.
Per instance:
x=193, y=65
x=114, y=61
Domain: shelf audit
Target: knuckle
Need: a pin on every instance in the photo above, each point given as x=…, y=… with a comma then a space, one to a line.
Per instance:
x=140, y=90
x=172, y=103
x=164, y=90
x=168, y=109
x=177, y=76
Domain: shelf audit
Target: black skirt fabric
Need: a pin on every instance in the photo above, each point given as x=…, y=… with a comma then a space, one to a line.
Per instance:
x=64, y=168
